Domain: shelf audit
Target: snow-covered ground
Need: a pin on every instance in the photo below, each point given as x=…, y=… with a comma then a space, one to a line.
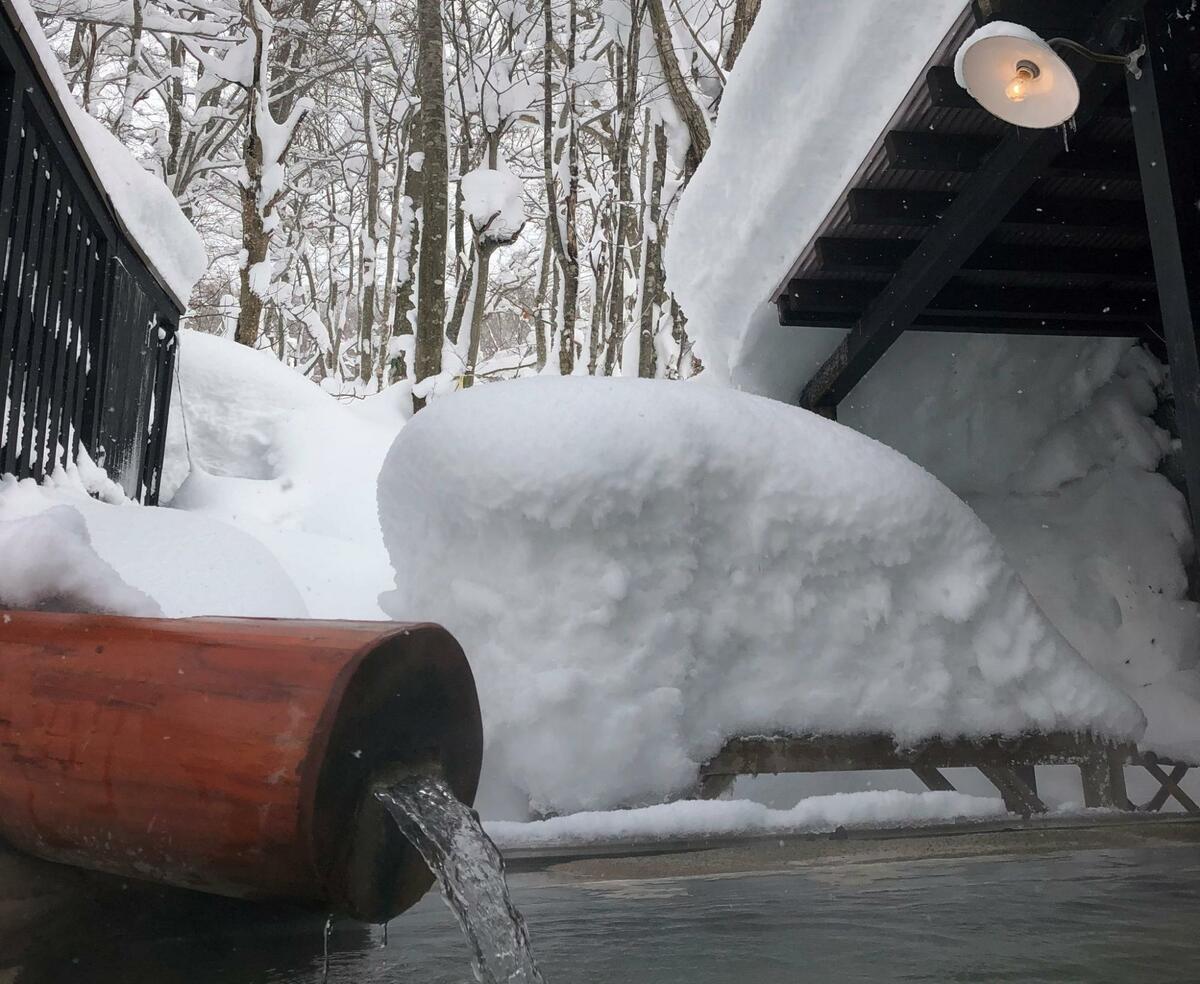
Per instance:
x=728, y=818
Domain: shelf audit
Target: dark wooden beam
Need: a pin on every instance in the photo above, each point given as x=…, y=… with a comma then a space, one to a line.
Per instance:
x=945, y=92
x=973, y=323
x=1166, y=126
x=934, y=151
x=907, y=208
x=838, y=255
x=881, y=207
x=1110, y=215
x=1096, y=161
x=1067, y=303
x=985, y=198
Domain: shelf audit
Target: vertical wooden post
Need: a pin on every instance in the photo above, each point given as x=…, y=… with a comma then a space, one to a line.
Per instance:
x=1166, y=124
x=1103, y=777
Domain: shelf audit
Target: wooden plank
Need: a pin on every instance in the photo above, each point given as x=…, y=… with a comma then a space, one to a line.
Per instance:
x=51, y=275
x=847, y=753
x=57, y=422
x=1017, y=796
x=1159, y=799
x=933, y=779
x=1096, y=161
x=1064, y=303
x=917, y=151
x=974, y=323
x=873, y=206
x=1103, y=776
x=1166, y=126
x=1170, y=784
x=985, y=198
x=946, y=93
x=21, y=305
x=838, y=255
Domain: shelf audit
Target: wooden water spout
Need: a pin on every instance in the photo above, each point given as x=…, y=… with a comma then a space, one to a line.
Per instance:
x=233, y=756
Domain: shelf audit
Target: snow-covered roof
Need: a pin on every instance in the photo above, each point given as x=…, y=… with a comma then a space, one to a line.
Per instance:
x=814, y=86
x=142, y=205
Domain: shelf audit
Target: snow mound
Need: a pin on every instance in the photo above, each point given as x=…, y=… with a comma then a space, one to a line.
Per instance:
x=639, y=570
x=64, y=550
x=250, y=440
x=145, y=205
x=729, y=818
x=746, y=214
x=50, y=564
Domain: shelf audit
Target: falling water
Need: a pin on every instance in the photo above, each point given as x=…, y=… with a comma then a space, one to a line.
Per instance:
x=471, y=872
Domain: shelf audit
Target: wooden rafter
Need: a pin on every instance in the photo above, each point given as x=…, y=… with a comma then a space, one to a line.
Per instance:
x=993, y=178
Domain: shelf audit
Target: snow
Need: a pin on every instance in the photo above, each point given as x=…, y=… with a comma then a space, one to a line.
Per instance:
x=57, y=567
x=640, y=569
x=749, y=211
x=995, y=29
x=250, y=439
x=78, y=554
x=1052, y=440
x=741, y=818
x=145, y=205
x=494, y=200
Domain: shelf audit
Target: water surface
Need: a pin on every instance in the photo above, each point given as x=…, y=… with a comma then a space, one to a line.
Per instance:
x=1119, y=916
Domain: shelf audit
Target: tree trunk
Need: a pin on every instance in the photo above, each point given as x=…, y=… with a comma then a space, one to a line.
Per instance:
x=254, y=234
x=431, y=300
x=743, y=19
x=366, y=316
x=681, y=95
x=540, y=321
x=414, y=191
x=627, y=79
x=652, y=284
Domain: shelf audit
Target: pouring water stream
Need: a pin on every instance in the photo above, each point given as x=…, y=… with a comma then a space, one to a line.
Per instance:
x=470, y=870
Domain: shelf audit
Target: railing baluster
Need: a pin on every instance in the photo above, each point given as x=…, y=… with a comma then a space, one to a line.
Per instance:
x=51, y=274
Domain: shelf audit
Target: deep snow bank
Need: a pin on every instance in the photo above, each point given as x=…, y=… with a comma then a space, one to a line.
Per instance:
x=252, y=440
x=61, y=549
x=253, y=443
x=812, y=88
x=640, y=569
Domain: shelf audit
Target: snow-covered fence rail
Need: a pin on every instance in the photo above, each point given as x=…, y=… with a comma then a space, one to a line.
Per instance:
x=87, y=324
x=1006, y=761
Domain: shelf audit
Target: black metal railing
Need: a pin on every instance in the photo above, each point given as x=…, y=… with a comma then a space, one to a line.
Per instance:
x=87, y=330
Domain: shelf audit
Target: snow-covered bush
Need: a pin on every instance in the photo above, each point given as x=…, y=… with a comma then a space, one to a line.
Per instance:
x=640, y=569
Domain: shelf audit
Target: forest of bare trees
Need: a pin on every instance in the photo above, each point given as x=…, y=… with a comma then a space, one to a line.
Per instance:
x=436, y=191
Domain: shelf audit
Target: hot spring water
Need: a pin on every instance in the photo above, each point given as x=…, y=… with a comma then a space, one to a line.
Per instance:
x=470, y=870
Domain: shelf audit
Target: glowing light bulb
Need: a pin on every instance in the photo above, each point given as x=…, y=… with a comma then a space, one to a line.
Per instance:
x=1018, y=88
x=1015, y=90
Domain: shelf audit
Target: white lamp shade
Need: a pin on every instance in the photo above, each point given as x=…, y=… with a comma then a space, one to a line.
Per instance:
x=988, y=62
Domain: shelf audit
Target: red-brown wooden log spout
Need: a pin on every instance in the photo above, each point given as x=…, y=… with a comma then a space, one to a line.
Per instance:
x=233, y=756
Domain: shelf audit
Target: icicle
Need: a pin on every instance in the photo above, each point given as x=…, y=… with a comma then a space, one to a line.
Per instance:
x=325, y=966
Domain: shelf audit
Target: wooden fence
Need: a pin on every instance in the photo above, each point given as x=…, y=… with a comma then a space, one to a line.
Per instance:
x=87, y=328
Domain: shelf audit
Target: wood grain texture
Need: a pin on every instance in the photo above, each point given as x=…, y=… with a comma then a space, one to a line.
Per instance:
x=227, y=755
